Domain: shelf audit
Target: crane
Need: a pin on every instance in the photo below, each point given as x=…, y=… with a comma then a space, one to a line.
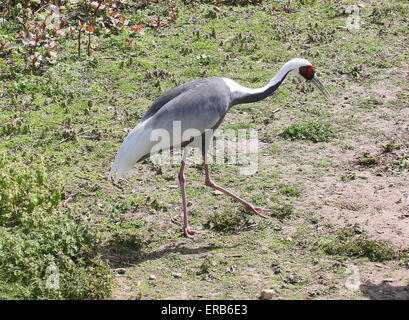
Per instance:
x=199, y=107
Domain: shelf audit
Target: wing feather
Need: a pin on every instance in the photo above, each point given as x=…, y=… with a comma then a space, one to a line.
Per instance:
x=198, y=105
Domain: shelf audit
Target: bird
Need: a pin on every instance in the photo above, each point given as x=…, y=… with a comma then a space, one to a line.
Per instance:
x=198, y=107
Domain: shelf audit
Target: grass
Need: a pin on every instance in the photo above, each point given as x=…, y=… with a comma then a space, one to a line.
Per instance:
x=36, y=235
x=348, y=177
x=61, y=127
x=349, y=242
x=368, y=159
x=287, y=190
x=314, y=130
x=228, y=221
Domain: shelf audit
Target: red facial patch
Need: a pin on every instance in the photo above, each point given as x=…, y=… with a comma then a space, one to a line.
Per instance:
x=307, y=72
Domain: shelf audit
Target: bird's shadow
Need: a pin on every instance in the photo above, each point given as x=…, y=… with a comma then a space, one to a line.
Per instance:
x=384, y=291
x=122, y=255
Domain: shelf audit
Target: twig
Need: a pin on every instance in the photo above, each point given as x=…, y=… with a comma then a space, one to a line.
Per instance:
x=79, y=42
x=174, y=220
x=69, y=198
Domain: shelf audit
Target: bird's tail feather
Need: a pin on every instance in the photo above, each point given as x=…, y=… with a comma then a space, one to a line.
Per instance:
x=134, y=147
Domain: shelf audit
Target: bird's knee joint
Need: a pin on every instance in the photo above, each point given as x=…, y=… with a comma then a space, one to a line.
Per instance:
x=182, y=177
x=209, y=183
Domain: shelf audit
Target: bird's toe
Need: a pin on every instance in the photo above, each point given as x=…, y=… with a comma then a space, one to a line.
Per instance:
x=255, y=210
x=263, y=209
x=190, y=233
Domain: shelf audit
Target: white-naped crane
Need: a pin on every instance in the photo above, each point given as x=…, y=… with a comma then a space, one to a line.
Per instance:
x=200, y=106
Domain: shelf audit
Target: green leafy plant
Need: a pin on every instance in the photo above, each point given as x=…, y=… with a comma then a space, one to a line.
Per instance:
x=314, y=130
x=282, y=211
x=35, y=235
x=352, y=242
x=228, y=221
x=287, y=190
x=368, y=159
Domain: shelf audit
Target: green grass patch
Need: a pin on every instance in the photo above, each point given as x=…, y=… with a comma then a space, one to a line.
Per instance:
x=368, y=159
x=351, y=242
x=45, y=253
x=287, y=190
x=282, y=211
x=313, y=130
x=348, y=177
x=229, y=221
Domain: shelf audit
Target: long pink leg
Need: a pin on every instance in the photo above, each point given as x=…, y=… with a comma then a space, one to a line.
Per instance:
x=182, y=180
x=209, y=182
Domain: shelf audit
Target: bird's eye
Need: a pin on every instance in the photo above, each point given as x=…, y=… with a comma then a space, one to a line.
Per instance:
x=307, y=72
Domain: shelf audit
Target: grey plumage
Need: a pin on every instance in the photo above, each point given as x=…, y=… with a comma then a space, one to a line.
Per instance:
x=198, y=105
x=185, y=114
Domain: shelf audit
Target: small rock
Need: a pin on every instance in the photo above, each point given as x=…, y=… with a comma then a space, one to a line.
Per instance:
x=217, y=192
x=387, y=280
x=152, y=277
x=120, y=271
x=230, y=269
x=177, y=275
x=267, y=294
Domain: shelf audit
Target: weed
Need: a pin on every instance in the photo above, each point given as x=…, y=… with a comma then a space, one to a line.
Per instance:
x=276, y=267
x=25, y=193
x=319, y=35
x=355, y=71
x=206, y=266
x=401, y=163
x=379, y=15
x=286, y=190
x=228, y=221
x=391, y=146
x=293, y=279
x=314, y=130
x=348, y=177
x=371, y=103
x=351, y=242
x=36, y=235
x=14, y=127
x=282, y=211
x=243, y=42
x=368, y=159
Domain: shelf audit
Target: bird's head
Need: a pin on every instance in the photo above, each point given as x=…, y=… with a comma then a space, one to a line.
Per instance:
x=305, y=70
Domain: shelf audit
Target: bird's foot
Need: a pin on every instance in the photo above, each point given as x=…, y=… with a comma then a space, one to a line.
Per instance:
x=190, y=233
x=263, y=209
x=257, y=209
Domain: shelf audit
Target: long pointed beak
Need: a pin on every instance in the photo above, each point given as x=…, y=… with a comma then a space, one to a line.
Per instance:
x=320, y=86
